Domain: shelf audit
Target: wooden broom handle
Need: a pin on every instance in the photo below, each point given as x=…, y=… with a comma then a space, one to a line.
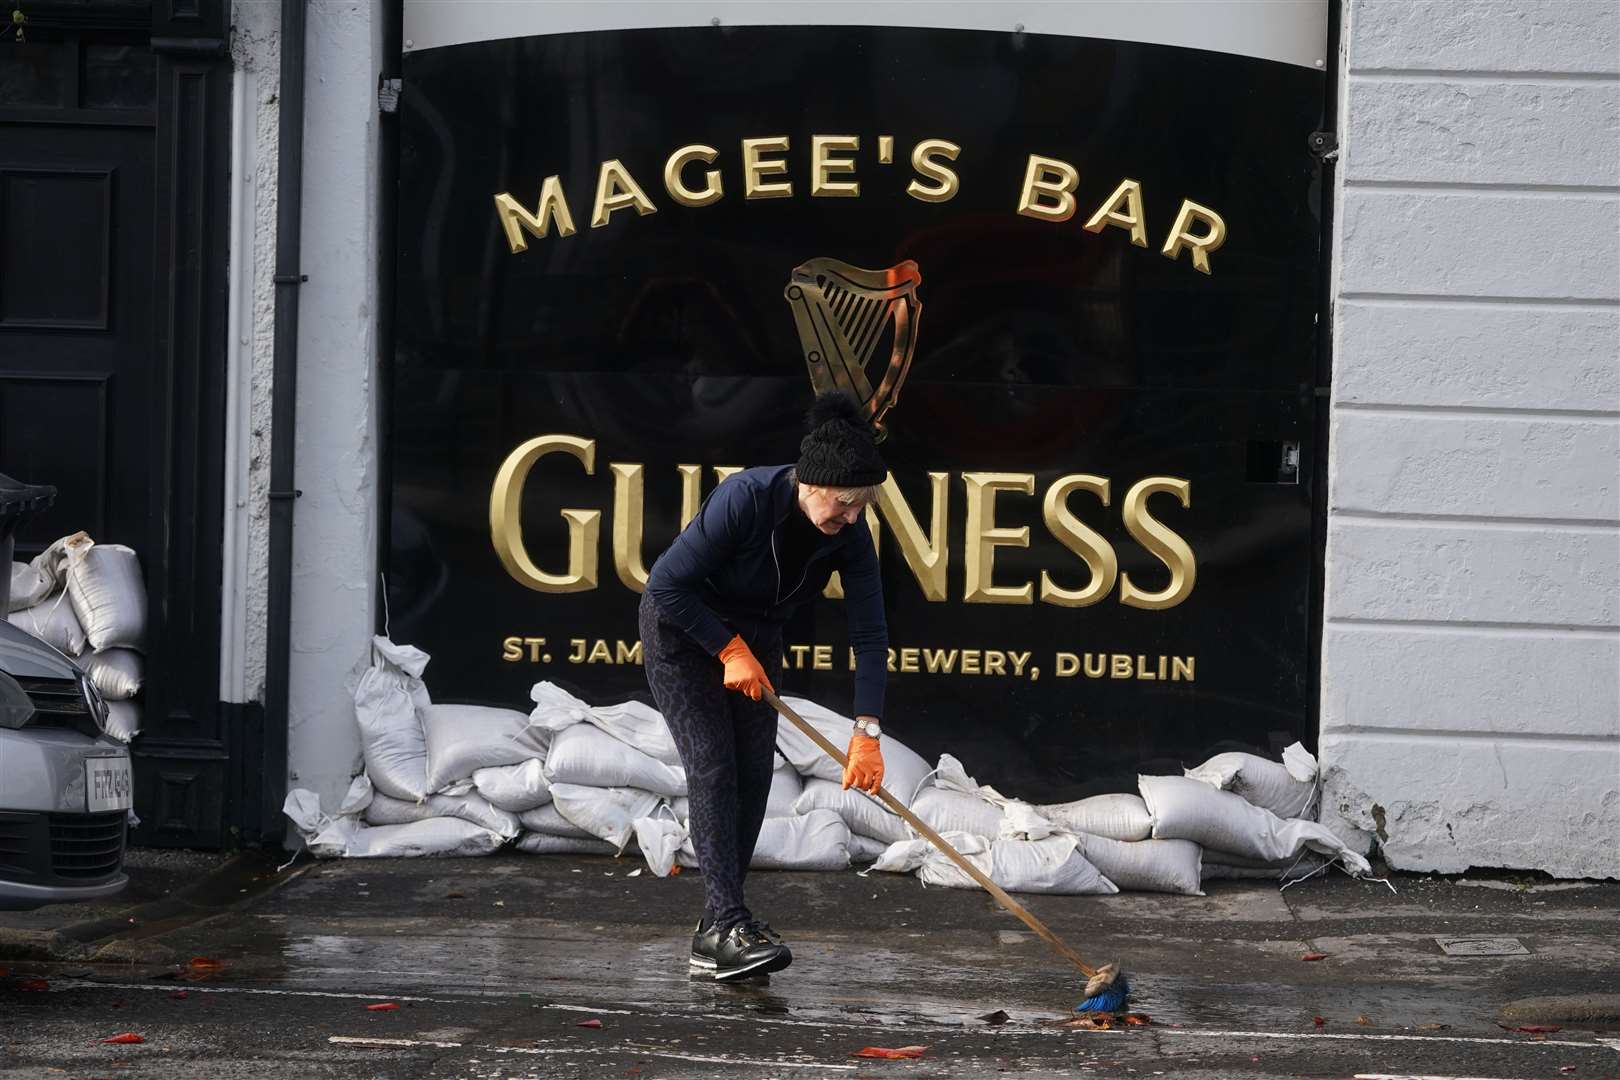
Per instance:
x=938, y=841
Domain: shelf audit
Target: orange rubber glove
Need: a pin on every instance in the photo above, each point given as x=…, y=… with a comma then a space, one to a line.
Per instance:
x=865, y=768
x=743, y=671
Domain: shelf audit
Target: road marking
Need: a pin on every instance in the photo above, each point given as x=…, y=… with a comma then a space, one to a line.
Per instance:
x=63, y=985
x=1200, y=1033
x=1417, y=1076
x=391, y=1044
x=591, y=1009
x=775, y=1063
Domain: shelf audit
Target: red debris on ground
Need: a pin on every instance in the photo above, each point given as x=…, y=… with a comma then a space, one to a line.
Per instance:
x=1314, y=956
x=33, y=984
x=382, y=1006
x=179, y=995
x=1531, y=1029
x=591, y=1023
x=891, y=1053
x=126, y=1039
x=1321, y=1021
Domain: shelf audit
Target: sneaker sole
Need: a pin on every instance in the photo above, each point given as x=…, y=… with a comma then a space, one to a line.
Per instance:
x=701, y=965
x=759, y=967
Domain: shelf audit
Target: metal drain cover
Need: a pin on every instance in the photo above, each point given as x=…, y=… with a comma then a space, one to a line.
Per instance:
x=1482, y=946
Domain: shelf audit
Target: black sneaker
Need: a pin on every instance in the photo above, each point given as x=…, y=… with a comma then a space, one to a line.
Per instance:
x=749, y=948
x=704, y=943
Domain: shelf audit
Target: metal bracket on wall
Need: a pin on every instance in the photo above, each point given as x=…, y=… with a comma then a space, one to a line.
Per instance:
x=388, y=91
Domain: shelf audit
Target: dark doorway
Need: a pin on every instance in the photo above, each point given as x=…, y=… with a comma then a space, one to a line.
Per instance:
x=114, y=188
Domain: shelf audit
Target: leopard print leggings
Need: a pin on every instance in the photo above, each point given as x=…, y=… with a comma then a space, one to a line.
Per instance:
x=727, y=744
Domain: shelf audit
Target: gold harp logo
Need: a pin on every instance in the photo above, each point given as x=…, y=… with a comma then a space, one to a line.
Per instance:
x=844, y=313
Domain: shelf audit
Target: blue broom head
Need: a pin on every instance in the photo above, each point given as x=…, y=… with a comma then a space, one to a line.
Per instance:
x=1110, y=999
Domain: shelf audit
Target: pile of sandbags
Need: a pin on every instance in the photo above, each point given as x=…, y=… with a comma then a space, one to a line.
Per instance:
x=420, y=792
x=571, y=777
x=88, y=600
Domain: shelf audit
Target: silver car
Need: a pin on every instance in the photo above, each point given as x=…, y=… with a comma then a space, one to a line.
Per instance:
x=65, y=785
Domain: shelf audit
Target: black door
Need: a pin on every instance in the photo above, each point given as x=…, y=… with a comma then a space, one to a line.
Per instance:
x=77, y=130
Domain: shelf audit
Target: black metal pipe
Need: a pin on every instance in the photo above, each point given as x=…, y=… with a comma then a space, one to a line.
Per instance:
x=392, y=15
x=1323, y=381
x=284, y=410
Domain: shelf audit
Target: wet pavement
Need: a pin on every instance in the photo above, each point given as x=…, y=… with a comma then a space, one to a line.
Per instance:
x=494, y=963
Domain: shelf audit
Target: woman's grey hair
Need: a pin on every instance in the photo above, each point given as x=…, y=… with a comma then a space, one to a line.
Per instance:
x=849, y=496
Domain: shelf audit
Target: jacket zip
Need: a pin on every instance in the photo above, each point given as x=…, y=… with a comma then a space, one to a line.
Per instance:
x=778, y=561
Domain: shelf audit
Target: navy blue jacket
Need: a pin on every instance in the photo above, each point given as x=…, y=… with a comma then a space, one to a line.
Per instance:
x=721, y=576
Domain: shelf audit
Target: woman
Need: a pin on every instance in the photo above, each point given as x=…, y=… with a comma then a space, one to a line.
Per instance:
x=764, y=542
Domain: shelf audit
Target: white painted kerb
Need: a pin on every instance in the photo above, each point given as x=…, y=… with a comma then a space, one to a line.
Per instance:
x=1288, y=31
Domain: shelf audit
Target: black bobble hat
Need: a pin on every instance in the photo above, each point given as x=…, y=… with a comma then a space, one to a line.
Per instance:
x=841, y=448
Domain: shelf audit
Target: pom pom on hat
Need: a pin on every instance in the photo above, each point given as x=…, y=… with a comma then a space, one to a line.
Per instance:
x=841, y=447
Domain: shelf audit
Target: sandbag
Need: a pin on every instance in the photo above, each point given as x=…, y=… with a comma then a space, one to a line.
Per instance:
x=865, y=849
x=461, y=739
x=388, y=699
x=546, y=844
x=303, y=808
x=786, y=787
x=946, y=810
x=387, y=810
x=808, y=759
x=631, y=722
x=117, y=673
x=1218, y=820
x=358, y=797
x=123, y=720
x=1021, y=821
x=28, y=586
x=818, y=840
x=515, y=788
x=664, y=843
x=1053, y=865
x=1117, y=817
x=860, y=811
x=347, y=838
x=36, y=581
x=108, y=593
x=606, y=813
x=586, y=755
x=546, y=819
x=54, y=623
x=904, y=771
x=1287, y=788
x=1167, y=866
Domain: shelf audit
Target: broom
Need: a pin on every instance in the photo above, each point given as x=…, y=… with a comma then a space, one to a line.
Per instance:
x=1106, y=988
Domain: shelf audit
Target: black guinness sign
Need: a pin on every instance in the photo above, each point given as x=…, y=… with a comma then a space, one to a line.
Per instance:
x=621, y=252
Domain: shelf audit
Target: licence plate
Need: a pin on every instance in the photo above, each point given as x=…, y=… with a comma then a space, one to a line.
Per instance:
x=107, y=784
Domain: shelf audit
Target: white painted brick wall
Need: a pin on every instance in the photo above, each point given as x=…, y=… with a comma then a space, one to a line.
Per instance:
x=1471, y=667
x=1480, y=244
x=1423, y=463
x=1439, y=354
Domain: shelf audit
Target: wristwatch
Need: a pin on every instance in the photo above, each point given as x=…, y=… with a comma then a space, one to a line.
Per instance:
x=869, y=727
